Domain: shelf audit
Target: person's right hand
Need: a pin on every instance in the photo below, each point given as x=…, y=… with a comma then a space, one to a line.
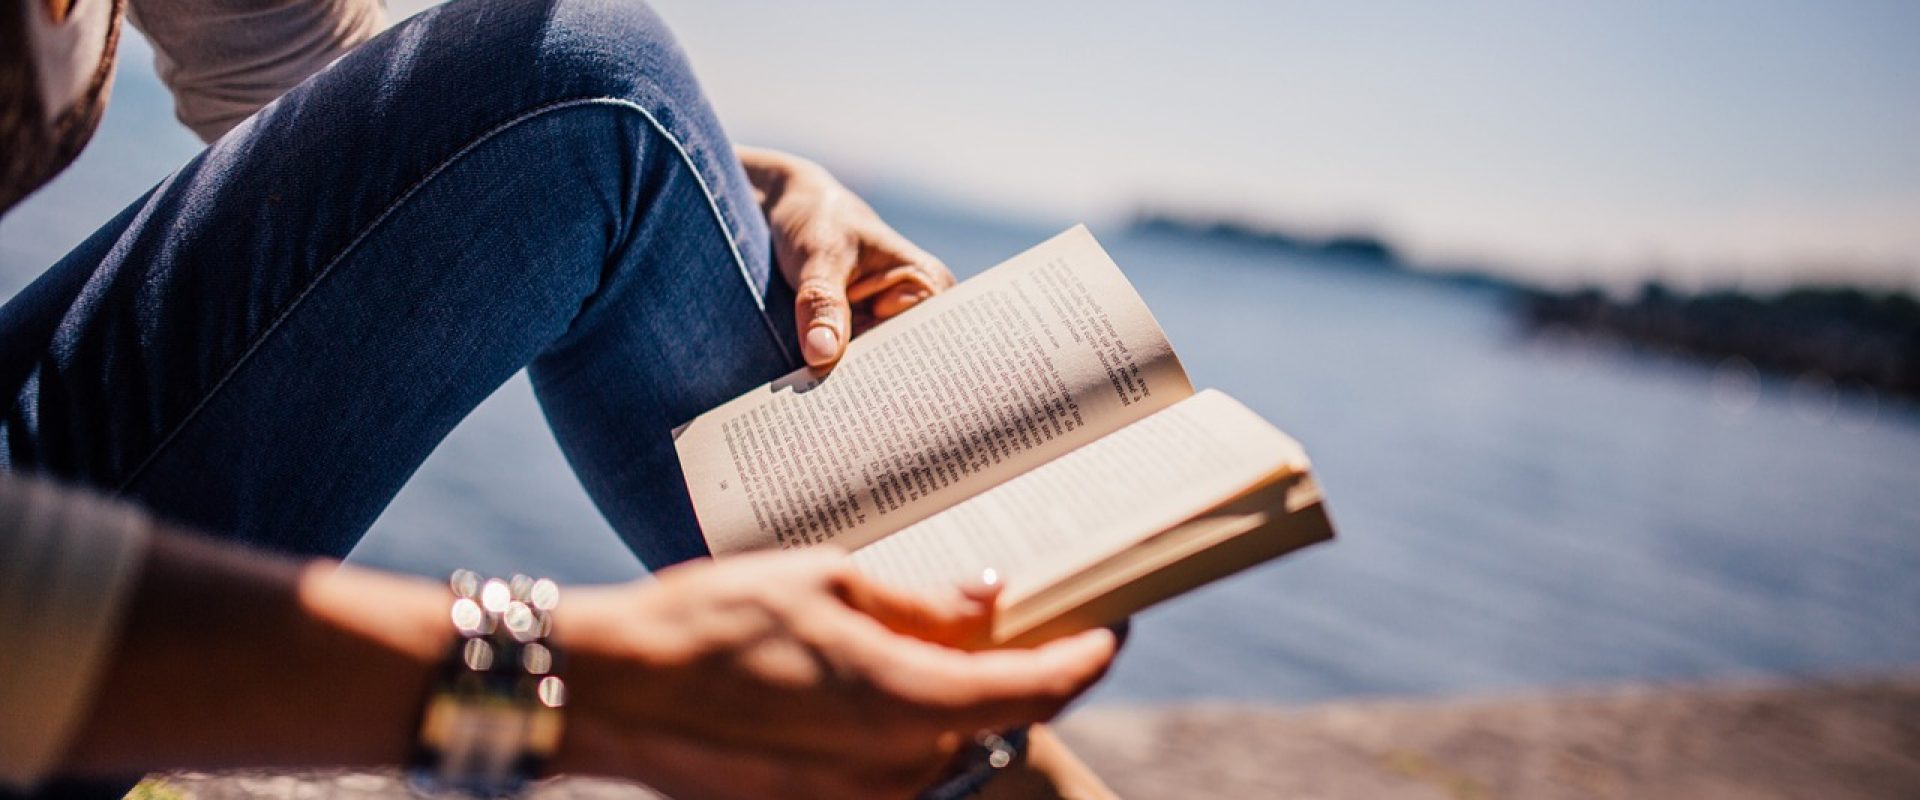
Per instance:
x=791, y=675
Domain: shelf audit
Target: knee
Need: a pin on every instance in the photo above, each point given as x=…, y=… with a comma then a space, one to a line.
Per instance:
x=563, y=49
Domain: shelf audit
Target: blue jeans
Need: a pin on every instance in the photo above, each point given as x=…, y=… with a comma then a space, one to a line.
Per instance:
x=269, y=343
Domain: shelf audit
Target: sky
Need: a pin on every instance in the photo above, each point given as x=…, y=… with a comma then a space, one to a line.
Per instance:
x=1707, y=143
x=1745, y=143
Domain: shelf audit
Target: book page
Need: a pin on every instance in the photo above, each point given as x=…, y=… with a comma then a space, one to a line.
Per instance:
x=1273, y=519
x=1013, y=368
x=1090, y=504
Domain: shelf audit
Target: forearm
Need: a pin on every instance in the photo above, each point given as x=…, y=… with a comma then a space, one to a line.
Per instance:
x=232, y=658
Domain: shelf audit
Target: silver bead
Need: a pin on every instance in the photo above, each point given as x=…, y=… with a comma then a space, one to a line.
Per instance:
x=552, y=692
x=468, y=618
x=537, y=659
x=478, y=655
x=520, y=622
x=464, y=583
x=495, y=595
x=544, y=595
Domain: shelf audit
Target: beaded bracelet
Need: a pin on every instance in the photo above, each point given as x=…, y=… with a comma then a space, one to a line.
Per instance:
x=493, y=716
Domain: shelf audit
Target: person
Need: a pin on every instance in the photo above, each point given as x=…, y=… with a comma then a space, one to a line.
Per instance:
x=385, y=226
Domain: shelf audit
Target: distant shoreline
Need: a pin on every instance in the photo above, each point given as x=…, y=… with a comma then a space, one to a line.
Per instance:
x=1851, y=338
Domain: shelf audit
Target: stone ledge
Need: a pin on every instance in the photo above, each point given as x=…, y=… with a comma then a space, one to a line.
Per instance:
x=1827, y=740
x=1831, y=740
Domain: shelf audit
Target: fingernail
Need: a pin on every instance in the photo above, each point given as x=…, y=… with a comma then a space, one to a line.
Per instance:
x=984, y=586
x=823, y=342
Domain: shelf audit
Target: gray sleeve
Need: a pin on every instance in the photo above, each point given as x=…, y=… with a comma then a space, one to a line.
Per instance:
x=68, y=562
x=224, y=59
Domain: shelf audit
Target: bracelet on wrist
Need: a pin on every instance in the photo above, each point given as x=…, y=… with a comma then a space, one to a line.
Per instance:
x=492, y=718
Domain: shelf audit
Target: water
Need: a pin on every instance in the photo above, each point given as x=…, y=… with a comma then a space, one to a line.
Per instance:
x=1514, y=513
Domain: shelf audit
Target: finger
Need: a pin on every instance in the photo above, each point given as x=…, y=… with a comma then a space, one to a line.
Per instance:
x=889, y=248
x=909, y=275
x=1000, y=688
x=820, y=306
x=990, y=689
x=890, y=303
x=984, y=587
x=942, y=277
x=953, y=618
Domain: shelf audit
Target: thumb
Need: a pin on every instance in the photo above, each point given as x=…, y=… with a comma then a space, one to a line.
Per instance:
x=820, y=307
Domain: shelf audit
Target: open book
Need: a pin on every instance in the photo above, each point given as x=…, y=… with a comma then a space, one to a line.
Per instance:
x=1033, y=420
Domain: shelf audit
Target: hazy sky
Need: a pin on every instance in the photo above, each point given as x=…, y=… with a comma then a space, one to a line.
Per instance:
x=1731, y=140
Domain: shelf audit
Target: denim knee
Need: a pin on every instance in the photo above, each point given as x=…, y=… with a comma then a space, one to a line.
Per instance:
x=533, y=52
x=473, y=65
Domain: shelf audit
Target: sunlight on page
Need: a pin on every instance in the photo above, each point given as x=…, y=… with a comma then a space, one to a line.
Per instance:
x=1091, y=503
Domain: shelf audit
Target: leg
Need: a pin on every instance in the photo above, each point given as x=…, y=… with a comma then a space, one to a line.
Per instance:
x=270, y=342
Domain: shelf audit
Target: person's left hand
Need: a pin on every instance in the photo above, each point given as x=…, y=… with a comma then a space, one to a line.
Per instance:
x=848, y=269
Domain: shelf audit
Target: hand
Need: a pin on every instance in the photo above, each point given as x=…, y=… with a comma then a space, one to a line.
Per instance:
x=790, y=675
x=848, y=269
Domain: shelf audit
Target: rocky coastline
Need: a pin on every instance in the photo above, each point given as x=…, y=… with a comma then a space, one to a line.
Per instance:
x=1852, y=338
x=1848, y=338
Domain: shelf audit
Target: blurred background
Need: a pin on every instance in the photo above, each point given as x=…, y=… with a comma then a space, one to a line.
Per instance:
x=1596, y=318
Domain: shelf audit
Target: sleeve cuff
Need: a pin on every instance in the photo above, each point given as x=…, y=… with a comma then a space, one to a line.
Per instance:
x=68, y=564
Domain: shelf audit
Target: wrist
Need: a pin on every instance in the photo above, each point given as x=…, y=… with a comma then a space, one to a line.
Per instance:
x=772, y=172
x=405, y=617
x=398, y=629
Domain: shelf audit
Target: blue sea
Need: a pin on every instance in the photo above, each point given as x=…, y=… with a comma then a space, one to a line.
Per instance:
x=1515, y=512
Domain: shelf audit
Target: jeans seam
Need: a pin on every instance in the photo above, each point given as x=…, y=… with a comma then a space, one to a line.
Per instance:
x=713, y=206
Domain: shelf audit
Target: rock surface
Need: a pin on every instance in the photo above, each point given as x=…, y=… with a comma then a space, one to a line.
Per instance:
x=1831, y=741
x=1827, y=741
